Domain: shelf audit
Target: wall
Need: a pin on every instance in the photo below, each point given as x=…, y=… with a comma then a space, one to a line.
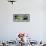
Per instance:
x=37, y=25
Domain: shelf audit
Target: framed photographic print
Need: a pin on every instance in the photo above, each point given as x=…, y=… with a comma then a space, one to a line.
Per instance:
x=21, y=17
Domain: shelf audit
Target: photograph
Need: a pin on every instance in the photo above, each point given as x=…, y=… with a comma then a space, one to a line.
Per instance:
x=21, y=17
